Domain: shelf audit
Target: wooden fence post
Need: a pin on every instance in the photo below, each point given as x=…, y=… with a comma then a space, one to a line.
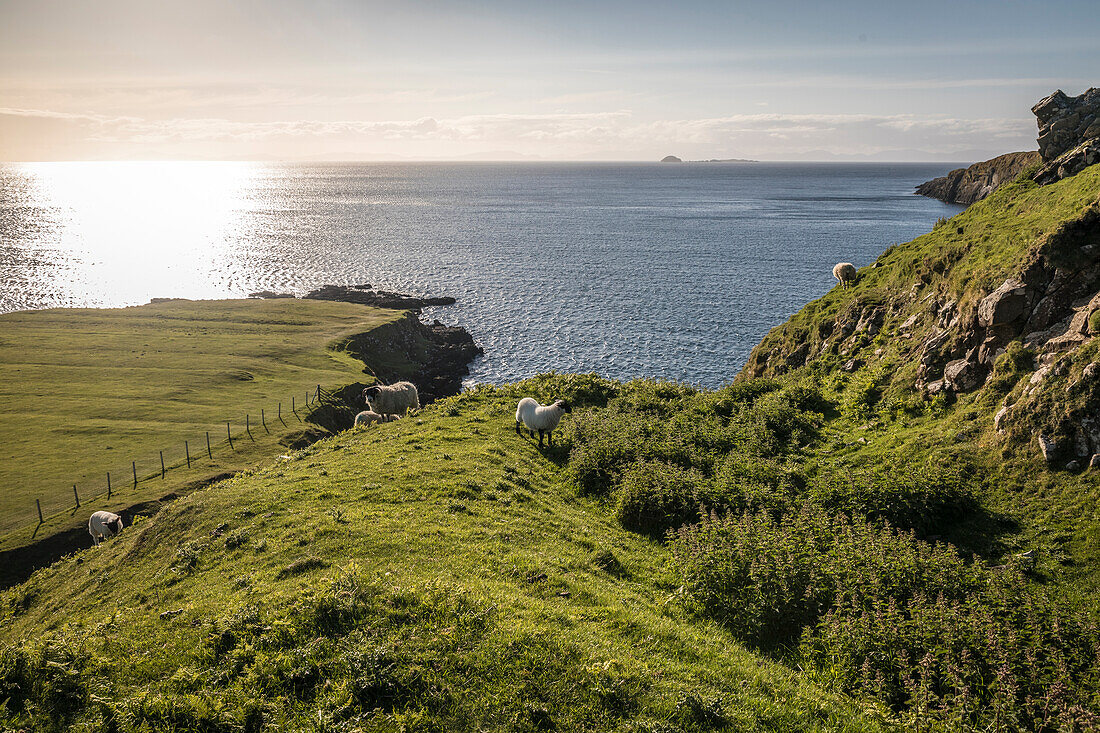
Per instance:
x=108, y=484
x=162, y=465
x=187, y=452
x=263, y=420
x=248, y=428
x=230, y=434
x=209, y=453
x=318, y=393
x=76, y=496
x=133, y=465
x=38, y=504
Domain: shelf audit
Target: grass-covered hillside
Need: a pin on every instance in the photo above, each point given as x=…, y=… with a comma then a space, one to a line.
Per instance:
x=886, y=521
x=679, y=561
x=920, y=368
x=84, y=391
x=435, y=573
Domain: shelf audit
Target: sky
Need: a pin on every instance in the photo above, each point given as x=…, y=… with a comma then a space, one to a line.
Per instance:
x=546, y=80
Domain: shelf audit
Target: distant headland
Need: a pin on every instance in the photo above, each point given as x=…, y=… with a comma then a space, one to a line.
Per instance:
x=674, y=159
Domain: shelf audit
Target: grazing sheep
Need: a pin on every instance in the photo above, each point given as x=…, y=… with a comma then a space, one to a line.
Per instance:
x=844, y=272
x=395, y=399
x=102, y=525
x=543, y=418
x=366, y=417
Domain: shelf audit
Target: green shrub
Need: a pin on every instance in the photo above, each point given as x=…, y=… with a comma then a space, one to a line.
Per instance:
x=767, y=578
x=920, y=496
x=603, y=443
x=946, y=644
x=729, y=398
x=653, y=498
x=579, y=390
x=1003, y=657
x=781, y=421
x=742, y=483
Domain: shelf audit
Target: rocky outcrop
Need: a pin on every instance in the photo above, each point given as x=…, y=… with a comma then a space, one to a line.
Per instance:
x=1004, y=305
x=363, y=295
x=671, y=159
x=1070, y=163
x=1069, y=134
x=442, y=352
x=442, y=355
x=1065, y=122
x=967, y=185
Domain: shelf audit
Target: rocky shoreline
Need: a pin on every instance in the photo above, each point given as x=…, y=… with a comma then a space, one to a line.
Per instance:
x=446, y=350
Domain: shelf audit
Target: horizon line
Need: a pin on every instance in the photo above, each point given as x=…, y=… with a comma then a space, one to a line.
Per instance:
x=378, y=161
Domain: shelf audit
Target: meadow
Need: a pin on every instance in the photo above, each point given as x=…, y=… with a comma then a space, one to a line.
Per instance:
x=84, y=392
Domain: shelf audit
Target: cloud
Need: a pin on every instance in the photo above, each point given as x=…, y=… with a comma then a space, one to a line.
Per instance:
x=609, y=134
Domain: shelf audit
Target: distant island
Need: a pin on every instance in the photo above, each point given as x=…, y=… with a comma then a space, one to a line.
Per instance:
x=674, y=159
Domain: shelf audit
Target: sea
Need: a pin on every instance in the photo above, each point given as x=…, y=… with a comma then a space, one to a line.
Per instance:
x=664, y=270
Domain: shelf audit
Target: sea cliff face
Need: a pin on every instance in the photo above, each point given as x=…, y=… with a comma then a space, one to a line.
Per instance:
x=967, y=185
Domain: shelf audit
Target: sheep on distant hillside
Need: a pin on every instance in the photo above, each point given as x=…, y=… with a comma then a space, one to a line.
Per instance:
x=366, y=417
x=102, y=525
x=543, y=418
x=845, y=273
x=394, y=399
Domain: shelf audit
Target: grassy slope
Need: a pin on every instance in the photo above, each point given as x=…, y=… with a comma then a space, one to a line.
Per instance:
x=83, y=392
x=996, y=239
x=484, y=600
x=1028, y=506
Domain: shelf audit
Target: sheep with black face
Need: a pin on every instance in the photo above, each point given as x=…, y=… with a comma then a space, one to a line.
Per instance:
x=393, y=399
x=543, y=418
x=103, y=525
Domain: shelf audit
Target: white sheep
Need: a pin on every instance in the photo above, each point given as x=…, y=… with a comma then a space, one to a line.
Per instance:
x=394, y=399
x=102, y=525
x=543, y=418
x=366, y=417
x=844, y=272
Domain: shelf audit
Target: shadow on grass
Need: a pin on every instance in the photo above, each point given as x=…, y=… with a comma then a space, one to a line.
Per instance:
x=18, y=564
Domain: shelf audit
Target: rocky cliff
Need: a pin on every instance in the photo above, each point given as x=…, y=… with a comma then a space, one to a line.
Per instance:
x=1069, y=142
x=967, y=185
x=1069, y=134
x=997, y=308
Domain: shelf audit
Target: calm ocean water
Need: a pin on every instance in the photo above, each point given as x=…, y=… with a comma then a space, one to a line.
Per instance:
x=664, y=270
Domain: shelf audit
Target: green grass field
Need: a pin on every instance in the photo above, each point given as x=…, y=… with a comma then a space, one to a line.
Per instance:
x=84, y=392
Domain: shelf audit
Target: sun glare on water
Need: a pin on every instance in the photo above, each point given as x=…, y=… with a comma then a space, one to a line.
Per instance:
x=128, y=231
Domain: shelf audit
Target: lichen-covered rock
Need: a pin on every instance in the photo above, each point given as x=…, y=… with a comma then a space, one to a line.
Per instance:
x=964, y=375
x=1003, y=305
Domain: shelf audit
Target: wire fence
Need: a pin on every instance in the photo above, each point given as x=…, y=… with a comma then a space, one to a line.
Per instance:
x=201, y=449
